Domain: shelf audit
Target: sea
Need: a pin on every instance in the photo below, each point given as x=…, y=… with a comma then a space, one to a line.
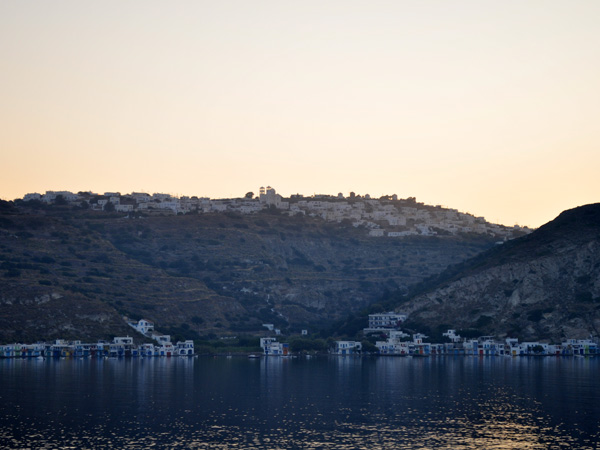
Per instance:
x=328, y=402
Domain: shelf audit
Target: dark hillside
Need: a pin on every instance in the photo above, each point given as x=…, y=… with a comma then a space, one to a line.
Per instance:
x=199, y=274
x=546, y=284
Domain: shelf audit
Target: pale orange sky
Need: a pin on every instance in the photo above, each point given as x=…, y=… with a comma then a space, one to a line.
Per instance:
x=488, y=107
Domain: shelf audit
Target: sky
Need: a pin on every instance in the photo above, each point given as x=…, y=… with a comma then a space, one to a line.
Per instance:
x=490, y=108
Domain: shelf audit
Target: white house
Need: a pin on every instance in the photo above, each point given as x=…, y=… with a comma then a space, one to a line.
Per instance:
x=394, y=344
x=50, y=196
x=393, y=347
x=123, y=340
x=161, y=197
x=347, y=347
x=271, y=347
x=451, y=334
x=185, y=348
x=144, y=326
x=161, y=338
x=386, y=320
x=34, y=196
x=140, y=197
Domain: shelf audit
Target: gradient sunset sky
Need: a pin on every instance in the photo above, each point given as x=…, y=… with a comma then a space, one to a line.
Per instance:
x=491, y=108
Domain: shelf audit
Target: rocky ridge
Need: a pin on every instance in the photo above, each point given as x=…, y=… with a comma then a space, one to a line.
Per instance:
x=544, y=285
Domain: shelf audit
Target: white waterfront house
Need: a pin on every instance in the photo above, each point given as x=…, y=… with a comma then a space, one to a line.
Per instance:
x=166, y=349
x=394, y=344
x=185, y=348
x=347, y=347
x=271, y=347
x=579, y=347
x=165, y=346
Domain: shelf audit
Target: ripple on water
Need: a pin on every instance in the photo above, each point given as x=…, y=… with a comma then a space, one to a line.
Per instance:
x=315, y=404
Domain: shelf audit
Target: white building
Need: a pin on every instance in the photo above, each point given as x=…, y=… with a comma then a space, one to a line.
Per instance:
x=347, y=347
x=140, y=197
x=271, y=347
x=50, y=196
x=386, y=320
x=34, y=196
x=451, y=334
x=269, y=197
x=143, y=326
x=185, y=348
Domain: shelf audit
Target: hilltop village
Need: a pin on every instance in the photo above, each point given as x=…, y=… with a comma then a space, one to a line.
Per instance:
x=387, y=216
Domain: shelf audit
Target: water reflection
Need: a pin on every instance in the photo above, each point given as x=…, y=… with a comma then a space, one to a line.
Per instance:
x=338, y=402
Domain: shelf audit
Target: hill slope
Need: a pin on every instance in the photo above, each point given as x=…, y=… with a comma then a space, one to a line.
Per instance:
x=543, y=285
x=70, y=273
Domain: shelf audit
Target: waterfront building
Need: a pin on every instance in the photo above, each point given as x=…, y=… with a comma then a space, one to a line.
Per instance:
x=394, y=345
x=121, y=346
x=347, y=347
x=147, y=350
x=271, y=347
x=580, y=347
x=418, y=347
x=185, y=348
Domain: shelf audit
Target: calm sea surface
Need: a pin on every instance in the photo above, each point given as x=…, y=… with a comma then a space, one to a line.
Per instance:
x=318, y=403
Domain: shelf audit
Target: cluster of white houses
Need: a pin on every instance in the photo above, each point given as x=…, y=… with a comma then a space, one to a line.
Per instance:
x=119, y=347
x=386, y=216
x=271, y=347
x=398, y=343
